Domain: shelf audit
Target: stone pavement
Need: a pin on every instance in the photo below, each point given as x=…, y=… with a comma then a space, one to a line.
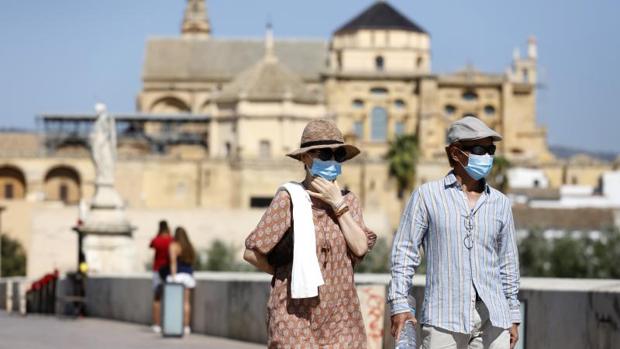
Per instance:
x=49, y=332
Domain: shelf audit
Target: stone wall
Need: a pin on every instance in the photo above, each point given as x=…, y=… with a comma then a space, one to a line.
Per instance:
x=559, y=313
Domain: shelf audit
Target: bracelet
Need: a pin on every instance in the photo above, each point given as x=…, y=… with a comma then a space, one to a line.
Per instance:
x=339, y=205
x=342, y=211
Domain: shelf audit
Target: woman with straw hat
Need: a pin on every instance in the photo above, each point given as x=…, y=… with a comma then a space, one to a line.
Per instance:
x=309, y=239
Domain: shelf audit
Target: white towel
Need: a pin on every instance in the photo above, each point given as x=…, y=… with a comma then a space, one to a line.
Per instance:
x=306, y=276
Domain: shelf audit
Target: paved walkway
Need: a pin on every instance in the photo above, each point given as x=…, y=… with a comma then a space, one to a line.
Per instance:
x=47, y=332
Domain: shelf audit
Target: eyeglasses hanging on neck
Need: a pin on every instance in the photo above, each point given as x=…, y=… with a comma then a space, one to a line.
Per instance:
x=468, y=241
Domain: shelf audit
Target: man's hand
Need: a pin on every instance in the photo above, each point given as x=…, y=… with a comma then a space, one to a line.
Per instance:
x=398, y=322
x=514, y=335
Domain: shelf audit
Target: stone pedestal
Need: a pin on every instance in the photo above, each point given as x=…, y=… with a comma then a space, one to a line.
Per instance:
x=109, y=254
x=106, y=239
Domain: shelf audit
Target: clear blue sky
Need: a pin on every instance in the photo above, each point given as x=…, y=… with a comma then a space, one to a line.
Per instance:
x=62, y=56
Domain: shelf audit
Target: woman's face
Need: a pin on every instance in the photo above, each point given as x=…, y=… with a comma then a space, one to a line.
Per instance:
x=307, y=158
x=325, y=154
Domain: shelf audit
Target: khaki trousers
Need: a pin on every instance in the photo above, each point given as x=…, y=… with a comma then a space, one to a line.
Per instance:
x=483, y=334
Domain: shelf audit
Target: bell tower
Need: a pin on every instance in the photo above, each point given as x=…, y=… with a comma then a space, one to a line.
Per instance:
x=524, y=68
x=195, y=21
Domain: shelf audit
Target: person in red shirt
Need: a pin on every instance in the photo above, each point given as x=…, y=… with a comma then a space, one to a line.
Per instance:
x=161, y=245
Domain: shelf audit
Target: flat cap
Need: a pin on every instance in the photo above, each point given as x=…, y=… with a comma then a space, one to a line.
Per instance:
x=470, y=128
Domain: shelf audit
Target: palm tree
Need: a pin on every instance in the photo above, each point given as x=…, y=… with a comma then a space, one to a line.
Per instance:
x=402, y=157
x=499, y=174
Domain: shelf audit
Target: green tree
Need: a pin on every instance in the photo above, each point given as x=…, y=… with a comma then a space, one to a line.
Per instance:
x=13, y=257
x=574, y=255
x=377, y=260
x=499, y=174
x=534, y=254
x=402, y=159
x=606, y=253
x=221, y=257
x=569, y=257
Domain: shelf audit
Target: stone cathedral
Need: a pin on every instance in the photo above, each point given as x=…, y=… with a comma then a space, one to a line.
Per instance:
x=373, y=76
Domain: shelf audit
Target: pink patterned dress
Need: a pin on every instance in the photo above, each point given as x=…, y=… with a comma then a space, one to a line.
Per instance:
x=331, y=320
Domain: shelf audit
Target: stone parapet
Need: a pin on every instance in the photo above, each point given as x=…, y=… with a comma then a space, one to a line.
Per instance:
x=558, y=313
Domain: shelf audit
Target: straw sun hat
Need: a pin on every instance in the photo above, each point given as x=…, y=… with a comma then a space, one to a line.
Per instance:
x=322, y=134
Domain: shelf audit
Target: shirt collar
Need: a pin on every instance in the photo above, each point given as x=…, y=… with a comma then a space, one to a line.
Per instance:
x=450, y=181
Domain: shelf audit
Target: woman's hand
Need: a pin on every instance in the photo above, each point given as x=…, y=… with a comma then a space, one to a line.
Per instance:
x=354, y=235
x=326, y=191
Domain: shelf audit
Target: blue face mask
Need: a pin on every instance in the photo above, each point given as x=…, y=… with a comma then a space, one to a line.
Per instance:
x=479, y=166
x=326, y=169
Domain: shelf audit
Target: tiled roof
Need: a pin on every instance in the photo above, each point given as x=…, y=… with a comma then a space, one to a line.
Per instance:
x=380, y=15
x=268, y=80
x=192, y=59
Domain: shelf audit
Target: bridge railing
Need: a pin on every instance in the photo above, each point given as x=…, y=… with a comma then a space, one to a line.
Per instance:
x=558, y=313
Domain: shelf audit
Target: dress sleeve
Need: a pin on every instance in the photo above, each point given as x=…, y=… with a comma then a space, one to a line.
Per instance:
x=273, y=225
x=355, y=207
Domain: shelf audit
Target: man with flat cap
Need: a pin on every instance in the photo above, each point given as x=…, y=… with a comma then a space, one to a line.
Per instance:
x=466, y=230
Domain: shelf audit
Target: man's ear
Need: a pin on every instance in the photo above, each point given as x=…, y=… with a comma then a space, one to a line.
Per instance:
x=453, y=154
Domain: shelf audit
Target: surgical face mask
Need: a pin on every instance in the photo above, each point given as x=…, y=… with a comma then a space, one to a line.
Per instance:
x=479, y=166
x=326, y=169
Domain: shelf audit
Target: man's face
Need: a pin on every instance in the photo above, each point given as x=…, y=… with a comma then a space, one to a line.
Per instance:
x=461, y=151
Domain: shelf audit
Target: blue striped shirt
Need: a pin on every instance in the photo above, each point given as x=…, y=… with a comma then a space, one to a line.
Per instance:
x=463, y=247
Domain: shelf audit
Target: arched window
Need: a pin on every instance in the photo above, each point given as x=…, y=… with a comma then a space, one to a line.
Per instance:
x=489, y=110
x=265, y=149
x=449, y=110
x=169, y=105
x=470, y=96
x=379, y=118
x=379, y=91
x=12, y=183
x=399, y=104
x=62, y=183
x=379, y=63
x=358, y=104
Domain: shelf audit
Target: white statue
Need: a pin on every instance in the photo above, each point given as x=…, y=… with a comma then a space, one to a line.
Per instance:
x=103, y=145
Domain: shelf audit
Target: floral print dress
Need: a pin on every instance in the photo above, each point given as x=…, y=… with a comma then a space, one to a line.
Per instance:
x=331, y=320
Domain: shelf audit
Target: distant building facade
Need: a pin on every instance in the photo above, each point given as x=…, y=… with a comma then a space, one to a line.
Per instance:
x=215, y=117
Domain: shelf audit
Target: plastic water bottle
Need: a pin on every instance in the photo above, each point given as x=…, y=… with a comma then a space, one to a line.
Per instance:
x=407, y=338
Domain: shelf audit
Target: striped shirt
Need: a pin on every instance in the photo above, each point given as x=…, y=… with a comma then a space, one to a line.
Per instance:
x=467, y=251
